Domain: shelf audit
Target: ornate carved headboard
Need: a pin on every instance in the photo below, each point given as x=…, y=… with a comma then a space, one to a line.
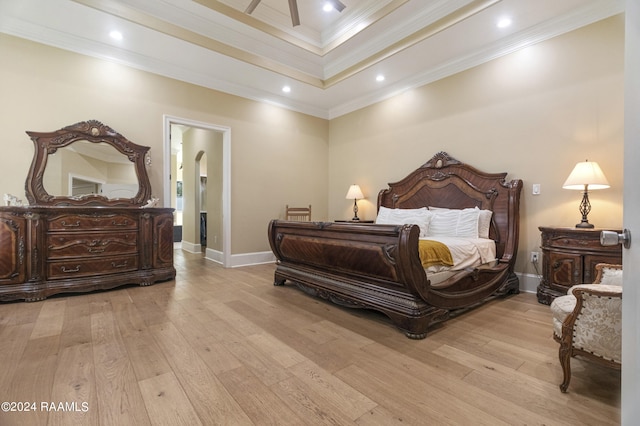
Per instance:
x=446, y=182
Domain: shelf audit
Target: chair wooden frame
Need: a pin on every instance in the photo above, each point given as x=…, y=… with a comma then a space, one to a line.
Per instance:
x=299, y=214
x=567, y=350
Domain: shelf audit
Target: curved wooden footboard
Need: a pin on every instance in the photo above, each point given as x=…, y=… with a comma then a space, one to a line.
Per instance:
x=360, y=266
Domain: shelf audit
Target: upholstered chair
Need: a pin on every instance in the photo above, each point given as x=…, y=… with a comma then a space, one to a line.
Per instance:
x=588, y=321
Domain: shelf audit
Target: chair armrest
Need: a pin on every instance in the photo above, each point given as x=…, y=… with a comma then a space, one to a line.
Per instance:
x=597, y=289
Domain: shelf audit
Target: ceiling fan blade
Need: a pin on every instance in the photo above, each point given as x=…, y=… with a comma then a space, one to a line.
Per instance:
x=338, y=5
x=252, y=6
x=293, y=9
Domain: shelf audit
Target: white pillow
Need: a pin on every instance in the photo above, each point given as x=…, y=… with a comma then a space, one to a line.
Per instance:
x=454, y=223
x=484, y=223
x=611, y=276
x=420, y=217
x=484, y=219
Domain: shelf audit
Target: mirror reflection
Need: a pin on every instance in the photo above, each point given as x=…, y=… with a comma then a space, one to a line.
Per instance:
x=85, y=168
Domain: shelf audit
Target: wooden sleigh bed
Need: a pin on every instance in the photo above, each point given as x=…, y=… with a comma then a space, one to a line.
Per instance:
x=378, y=267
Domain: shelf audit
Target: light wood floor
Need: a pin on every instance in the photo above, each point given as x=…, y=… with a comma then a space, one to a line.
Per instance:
x=224, y=346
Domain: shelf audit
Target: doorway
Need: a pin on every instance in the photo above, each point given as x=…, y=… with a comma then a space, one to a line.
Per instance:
x=183, y=184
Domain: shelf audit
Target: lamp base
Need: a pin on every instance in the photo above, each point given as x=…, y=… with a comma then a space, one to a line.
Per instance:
x=585, y=225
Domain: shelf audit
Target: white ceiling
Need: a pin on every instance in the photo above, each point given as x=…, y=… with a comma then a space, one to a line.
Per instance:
x=330, y=61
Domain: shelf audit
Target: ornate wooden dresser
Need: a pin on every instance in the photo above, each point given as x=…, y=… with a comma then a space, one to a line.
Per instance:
x=86, y=242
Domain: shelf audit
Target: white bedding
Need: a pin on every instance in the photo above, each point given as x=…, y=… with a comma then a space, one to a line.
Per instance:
x=465, y=252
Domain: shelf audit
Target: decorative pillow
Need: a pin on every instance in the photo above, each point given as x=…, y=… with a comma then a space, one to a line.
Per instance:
x=611, y=276
x=420, y=217
x=484, y=223
x=484, y=219
x=454, y=223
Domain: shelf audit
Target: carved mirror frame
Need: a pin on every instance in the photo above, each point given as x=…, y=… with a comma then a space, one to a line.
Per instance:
x=93, y=131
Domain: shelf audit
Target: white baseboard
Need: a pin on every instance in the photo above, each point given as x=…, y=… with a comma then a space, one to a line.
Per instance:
x=214, y=256
x=528, y=282
x=237, y=260
x=247, y=259
x=190, y=247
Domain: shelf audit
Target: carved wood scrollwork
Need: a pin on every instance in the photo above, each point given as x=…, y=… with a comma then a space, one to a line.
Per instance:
x=94, y=132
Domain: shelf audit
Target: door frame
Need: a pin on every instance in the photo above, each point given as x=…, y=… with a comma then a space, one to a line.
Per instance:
x=168, y=120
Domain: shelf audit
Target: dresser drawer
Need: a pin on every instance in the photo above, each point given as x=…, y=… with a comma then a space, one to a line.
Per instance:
x=69, y=244
x=59, y=269
x=565, y=242
x=98, y=222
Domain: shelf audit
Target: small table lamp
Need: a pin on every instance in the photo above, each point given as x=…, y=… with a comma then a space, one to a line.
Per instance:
x=354, y=194
x=585, y=176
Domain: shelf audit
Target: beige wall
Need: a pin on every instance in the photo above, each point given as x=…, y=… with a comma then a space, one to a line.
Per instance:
x=534, y=113
x=278, y=156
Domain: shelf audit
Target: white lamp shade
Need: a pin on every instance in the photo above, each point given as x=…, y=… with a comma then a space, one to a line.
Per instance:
x=587, y=173
x=354, y=193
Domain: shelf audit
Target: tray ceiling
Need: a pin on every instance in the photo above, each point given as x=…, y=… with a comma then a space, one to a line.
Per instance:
x=329, y=62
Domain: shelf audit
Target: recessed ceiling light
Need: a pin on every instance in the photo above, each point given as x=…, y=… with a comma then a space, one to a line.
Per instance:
x=327, y=7
x=380, y=77
x=504, y=22
x=116, y=35
x=286, y=89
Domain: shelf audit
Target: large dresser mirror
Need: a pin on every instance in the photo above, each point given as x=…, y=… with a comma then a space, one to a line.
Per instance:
x=87, y=164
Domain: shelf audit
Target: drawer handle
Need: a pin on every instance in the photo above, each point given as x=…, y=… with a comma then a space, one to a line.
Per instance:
x=122, y=265
x=125, y=223
x=96, y=250
x=64, y=223
x=76, y=269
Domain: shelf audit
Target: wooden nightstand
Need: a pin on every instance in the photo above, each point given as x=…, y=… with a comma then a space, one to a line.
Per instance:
x=569, y=257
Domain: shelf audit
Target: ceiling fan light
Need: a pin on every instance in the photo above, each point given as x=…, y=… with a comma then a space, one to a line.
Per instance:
x=337, y=5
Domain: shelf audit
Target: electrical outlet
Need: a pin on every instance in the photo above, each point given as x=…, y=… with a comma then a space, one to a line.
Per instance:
x=535, y=256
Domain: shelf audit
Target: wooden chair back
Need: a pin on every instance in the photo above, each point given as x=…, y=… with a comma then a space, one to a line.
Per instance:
x=300, y=214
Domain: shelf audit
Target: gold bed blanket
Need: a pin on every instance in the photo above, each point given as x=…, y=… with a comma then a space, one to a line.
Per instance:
x=434, y=253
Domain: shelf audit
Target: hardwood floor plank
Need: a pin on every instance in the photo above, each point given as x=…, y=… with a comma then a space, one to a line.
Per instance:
x=210, y=399
x=526, y=391
x=380, y=416
x=118, y=394
x=50, y=319
x=281, y=353
x=379, y=356
x=339, y=394
x=18, y=313
x=309, y=403
x=260, y=404
x=74, y=388
x=32, y=381
x=413, y=401
x=166, y=402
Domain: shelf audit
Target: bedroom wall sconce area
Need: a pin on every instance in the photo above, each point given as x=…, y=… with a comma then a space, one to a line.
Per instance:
x=585, y=176
x=354, y=193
